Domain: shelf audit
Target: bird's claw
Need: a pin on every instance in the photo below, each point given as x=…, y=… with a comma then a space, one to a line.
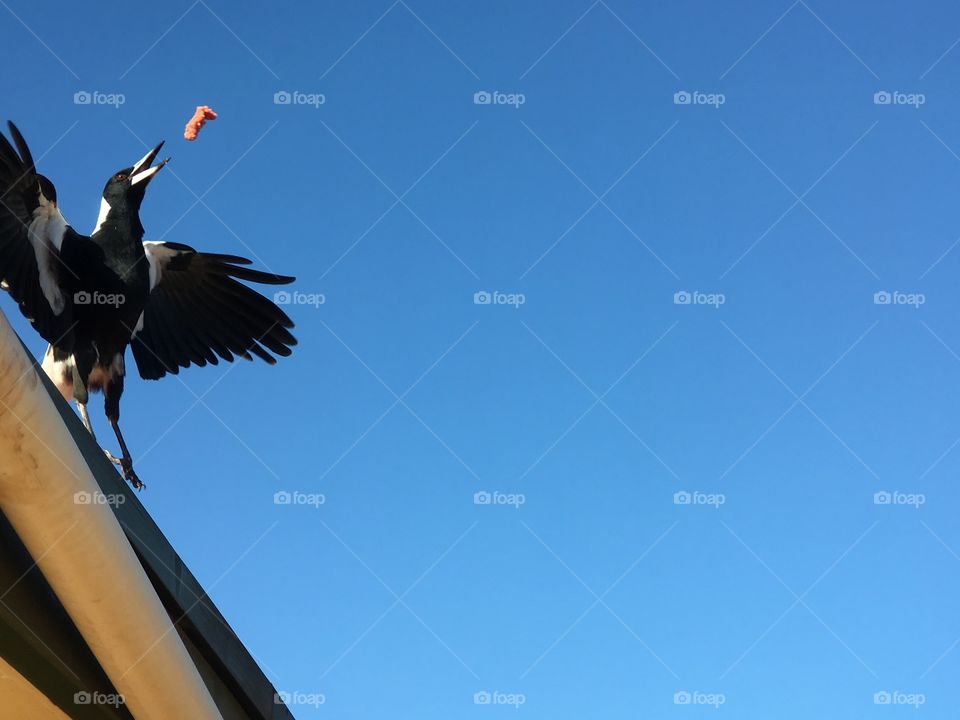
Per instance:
x=126, y=464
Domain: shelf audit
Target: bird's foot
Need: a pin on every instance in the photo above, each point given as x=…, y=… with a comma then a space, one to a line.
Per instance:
x=126, y=464
x=113, y=458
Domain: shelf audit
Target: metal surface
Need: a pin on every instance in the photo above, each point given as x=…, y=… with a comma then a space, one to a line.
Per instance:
x=49, y=495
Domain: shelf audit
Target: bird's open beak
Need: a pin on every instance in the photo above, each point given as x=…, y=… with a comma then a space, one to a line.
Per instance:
x=143, y=171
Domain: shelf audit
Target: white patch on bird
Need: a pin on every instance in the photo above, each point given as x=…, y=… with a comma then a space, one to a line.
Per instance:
x=158, y=256
x=56, y=223
x=103, y=374
x=60, y=373
x=46, y=233
x=102, y=217
x=139, y=325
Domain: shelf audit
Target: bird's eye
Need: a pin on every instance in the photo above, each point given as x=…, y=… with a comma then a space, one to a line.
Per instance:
x=120, y=176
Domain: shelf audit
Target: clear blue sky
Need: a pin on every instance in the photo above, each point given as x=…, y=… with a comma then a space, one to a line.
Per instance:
x=796, y=399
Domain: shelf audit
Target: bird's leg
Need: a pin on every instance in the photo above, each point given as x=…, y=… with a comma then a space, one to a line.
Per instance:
x=83, y=365
x=126, y=462
x=85, y=416
x=111, y=405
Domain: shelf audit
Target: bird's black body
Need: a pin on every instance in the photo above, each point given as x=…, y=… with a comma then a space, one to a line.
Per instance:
x=92, y=296
x=110, y=292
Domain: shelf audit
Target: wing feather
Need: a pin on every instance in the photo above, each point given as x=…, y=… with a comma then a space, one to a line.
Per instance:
x=198, y=312
x=32, y=231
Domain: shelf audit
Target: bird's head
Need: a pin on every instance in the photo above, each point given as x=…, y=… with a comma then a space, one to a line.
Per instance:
x=126, y=188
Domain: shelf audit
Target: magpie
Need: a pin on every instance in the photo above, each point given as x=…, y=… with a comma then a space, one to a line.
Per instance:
x=91, y=296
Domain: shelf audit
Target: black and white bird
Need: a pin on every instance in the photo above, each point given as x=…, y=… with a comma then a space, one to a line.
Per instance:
x=92, y=296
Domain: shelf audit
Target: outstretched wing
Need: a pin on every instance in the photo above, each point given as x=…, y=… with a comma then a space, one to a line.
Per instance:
x=32, y=232
x=198, y=311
